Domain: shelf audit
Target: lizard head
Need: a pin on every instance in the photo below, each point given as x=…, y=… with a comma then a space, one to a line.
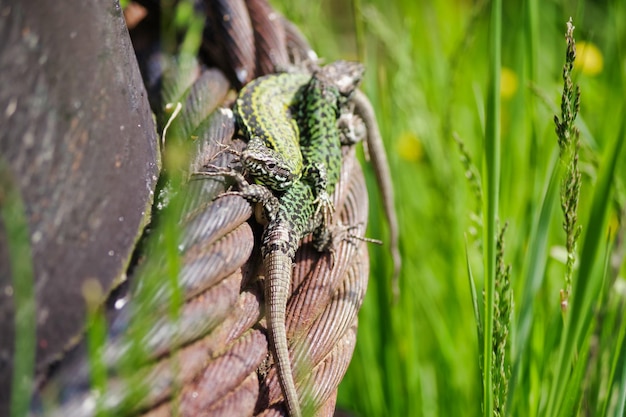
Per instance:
x=344, y=75
x=267, y=166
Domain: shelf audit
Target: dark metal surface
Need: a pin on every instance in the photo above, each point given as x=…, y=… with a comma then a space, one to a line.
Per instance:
x=229, y=40
x=78, y=135
x=269, y=36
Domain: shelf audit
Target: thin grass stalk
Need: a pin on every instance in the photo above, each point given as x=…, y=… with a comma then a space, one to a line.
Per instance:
x=491, y=186
x=620, y=408
x=359, y=29
x=503, y=306
x=603, y=321
x=96, y=334
x=15, y=223
x=475, y=305
x=586, y=287
x=536, y=260
x=569, y=145
x=618, y=353
x=532, y=30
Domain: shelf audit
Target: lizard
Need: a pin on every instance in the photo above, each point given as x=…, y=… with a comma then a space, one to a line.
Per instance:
x=264, y=109
x=360, y=115
x=323, y=100
x=302, y=205
x=305, y=207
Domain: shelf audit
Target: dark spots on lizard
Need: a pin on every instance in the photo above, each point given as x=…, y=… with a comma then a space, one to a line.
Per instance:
x=297, y=212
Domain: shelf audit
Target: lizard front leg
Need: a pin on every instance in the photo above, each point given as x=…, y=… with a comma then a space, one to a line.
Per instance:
x=256, y=194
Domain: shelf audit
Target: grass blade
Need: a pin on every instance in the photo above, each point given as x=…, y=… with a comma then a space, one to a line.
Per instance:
x=588, y=283
x=536, y=260
x=475, y=305
x=15, y=224
x=491, y=185
x=618, y=355
x=620, y=409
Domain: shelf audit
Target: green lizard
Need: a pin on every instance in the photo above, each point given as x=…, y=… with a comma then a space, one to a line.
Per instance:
x=323, y=98
x=299, y=211
x=264, y=110
x=304, y=206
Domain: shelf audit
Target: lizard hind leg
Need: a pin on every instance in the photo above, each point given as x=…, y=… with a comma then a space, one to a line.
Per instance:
x=326, y=239
x=317, y=174
x=352, y=128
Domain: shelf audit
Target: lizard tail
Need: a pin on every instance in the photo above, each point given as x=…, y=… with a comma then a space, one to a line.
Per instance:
x=278, y=271
x=364, y=108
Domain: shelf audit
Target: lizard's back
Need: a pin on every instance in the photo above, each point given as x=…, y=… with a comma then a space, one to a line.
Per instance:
x=264, y=108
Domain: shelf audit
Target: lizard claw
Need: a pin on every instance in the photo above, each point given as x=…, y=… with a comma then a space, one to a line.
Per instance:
x=325, y=205
x=224, y=148
x=351, y=127
x=217, y=171
x=326, y=239
x=343, y=232
x=333, y=256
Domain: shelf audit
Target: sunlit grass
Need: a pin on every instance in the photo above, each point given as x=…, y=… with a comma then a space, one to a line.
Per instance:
x=22, y=287
x=429, y=69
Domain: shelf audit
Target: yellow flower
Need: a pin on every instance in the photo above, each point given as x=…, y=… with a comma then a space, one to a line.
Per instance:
x=508, y=83
x=614, y=223
x=409, y=147
x=589, y=59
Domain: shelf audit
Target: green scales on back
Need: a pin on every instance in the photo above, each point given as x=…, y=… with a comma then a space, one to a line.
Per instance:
x=294, y=148
x=329, y=89
x=295, y=127
x=266, y=110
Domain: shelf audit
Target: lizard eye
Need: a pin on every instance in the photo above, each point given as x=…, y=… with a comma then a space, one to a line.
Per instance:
x=271, y=165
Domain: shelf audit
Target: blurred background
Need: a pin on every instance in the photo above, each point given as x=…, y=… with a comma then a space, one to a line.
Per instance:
x=427, y=76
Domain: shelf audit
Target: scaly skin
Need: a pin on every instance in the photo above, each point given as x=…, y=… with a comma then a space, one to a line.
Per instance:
x=264, y=112
x=320, y=141
x=299, y=213
x=295, y=219
x=267, y=109
x=291, y=218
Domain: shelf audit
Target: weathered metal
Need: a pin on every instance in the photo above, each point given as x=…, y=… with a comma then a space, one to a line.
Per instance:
x=79, y=138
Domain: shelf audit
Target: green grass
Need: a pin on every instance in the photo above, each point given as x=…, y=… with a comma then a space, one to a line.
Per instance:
x=15, y=225
x=433, y=72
